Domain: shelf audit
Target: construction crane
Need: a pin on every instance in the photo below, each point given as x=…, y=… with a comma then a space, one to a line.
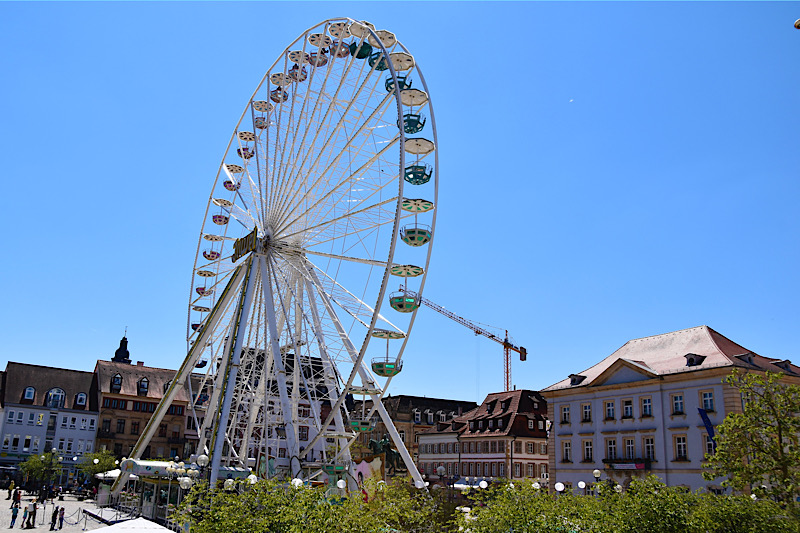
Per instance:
x=508, y=346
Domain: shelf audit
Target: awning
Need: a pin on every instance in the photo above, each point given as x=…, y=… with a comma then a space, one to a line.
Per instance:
x=111, y=474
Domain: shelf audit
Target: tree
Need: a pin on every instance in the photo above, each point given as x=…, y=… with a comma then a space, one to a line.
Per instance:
x=40, y=467
x=104, y=462
x=759, y=448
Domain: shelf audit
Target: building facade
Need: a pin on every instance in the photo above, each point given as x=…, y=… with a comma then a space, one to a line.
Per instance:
x=127, y=396
x=649, y=408
x=411, y=415
x=506, y=437
x=46, y=409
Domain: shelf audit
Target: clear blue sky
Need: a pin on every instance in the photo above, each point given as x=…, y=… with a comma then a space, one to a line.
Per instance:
x=608, y=171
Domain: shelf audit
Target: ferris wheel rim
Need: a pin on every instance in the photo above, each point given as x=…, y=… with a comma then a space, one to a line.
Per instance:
x=226, y=170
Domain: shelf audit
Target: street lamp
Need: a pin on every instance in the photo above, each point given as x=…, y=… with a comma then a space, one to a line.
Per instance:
x=582, y=485
x=537, y=485
x=559, y=487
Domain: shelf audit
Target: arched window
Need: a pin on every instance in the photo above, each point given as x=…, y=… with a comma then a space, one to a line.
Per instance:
x=116, y=383
x=80, y=399
x=144, y=384
x=55, y=398
x=30, y=392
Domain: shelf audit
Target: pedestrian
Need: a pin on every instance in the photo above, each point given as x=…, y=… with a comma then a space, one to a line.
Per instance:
x=32, y=507
x=14, y=513
x=61, y=518
x=18, y=497
x=24, y=517
x=10, y=489
x=54, y=518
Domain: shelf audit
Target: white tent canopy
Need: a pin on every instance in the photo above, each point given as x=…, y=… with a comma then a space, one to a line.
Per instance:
x=137, y=524
x=111, y=475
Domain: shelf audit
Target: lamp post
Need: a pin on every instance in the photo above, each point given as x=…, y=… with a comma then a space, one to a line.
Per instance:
x=582, y=485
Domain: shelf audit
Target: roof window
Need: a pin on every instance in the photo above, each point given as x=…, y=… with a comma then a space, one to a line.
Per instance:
x=576, y=379
x=692, y=359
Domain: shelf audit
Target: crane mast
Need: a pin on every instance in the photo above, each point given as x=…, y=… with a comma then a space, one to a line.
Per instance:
x=508, y=346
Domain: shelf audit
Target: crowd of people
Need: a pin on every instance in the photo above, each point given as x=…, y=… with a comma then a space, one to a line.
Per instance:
x=30, y=509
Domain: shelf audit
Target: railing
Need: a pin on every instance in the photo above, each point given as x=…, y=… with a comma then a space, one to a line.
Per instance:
x=105, y=434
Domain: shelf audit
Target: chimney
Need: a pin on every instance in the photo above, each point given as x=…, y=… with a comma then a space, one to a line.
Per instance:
x=139, y=363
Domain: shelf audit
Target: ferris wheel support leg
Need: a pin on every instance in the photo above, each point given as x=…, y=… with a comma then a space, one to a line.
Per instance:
x=234, y=356
x=280, y=369
x=376, y=398
x=182, y=375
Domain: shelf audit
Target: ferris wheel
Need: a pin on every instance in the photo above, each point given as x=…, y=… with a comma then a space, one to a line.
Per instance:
x=324, y=202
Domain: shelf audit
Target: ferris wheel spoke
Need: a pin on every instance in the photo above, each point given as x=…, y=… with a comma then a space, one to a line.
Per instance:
x=341, y=151
x=343, y=217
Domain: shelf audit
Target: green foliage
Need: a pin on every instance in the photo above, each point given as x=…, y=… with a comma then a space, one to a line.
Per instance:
x=647, y=506
x=274, y=507
x=105, y=462
x=760, y=447
x=41, y=467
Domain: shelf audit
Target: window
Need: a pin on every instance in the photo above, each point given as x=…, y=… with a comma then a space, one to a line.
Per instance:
x=69, y=445
x=418, y=418
x=144, y=385
x=64, y=422
x=51, y=423
x=30, y=392
x=175, y=410
x=565, y=414
x=35, y=446
x=73, y=422
x=20, y=414
x=707, y=400
x=302, y=432
x=162, y=430
x=26, y=444
x=529, y=447
x=677, y=404
x=106, y=425
x=587, y=412
x=116, y=383
x=611, y=448
x=88, y=446
x=10, y=417
x=627, y=408
x=494, y=469
x=83, y=423
x=80, y=399
x=610, y=410
x=449, y=447
x=649, y=444
x=501, y=446
x=15, y=442
x=91, y=424
x=517, y=470
x=31, y=418
x=566, y=451
x=529, y=470
x=501, y=469
x=530, y=424
x=647, y=406
x=543, y=448
x=541, y=424
x=442, y=416
x=588, y=452
x=303, y=411
x=630, y=449
x=500, y=423
x=121, y=425
x=61, y=444
x=80, y=446
x=55, y=398
x=134, y=427
x=680, y=448
x=517, y=447
x=472, y=447
x=709, y=444
x=113, y=403
x=6, y=441
x=494, y=446
x=430, y=418
x=281, y=452
x=491, y=424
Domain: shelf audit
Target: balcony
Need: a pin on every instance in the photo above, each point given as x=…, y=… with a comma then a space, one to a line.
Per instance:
x=637, y=463
x=105, y=434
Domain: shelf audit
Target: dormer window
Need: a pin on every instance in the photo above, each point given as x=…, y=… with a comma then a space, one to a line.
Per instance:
x=490, y=406
x=491, y=424
x=430, y=417
x=503, y=406
x=30, y=392
x=576, y=379
x=80, y=399
x=166, y=385
x=747, y=358
x=144, y=384
x=480, y=424
x=442, y=416
x=55, y=398
x=417, y=416
x=116, y=383
x=784, y=365
x=693, y=359
x=500, y=424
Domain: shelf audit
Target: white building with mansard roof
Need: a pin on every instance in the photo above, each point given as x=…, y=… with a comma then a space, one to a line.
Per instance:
x=650, y=407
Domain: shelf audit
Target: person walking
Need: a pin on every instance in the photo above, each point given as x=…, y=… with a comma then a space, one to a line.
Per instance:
x=24, y=517
x=61, y=518
x=14, y=513
x=10, y=489
x=32, y=507
x=54, y=518
x=17, y=497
